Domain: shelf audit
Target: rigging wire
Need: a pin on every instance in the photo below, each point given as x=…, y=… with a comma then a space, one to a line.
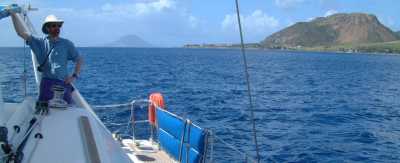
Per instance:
x=248, y=82
x=24, y=75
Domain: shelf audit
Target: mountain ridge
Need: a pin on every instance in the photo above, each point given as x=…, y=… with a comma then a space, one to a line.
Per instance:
x=341, y=28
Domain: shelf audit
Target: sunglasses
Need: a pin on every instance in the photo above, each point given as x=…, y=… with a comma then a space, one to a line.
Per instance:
x=54, y=25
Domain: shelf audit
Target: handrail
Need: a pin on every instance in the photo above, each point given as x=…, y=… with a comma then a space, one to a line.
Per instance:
x=121, y=105
x=211, y=136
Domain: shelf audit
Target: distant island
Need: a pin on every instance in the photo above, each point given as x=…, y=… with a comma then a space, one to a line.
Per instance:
x=354, y=32
x=129, y=41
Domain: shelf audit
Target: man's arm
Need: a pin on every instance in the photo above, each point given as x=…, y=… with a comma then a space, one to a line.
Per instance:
x=77, y=70
x=20, y=26
x=78, y=64
x=73, y=55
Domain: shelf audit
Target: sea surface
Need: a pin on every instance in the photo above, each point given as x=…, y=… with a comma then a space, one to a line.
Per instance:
x=309, y=106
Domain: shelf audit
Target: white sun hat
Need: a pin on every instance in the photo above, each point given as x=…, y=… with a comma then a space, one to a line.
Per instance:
x=50, y=19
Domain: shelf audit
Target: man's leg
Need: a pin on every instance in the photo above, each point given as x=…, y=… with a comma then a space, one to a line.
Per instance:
x=67, y=93
x=45, y=94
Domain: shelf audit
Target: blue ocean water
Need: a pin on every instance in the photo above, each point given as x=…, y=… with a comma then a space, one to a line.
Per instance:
x=309, y=107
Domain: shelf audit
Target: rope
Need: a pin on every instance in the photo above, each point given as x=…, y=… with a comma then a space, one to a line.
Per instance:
x=20, y=146
x=36, y=143
x=248, y=83
x=27, y=133
x=14, y=134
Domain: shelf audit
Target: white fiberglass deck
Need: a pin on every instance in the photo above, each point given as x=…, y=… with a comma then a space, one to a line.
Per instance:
x=63, y=139
x=62, y=136
x=145, y=151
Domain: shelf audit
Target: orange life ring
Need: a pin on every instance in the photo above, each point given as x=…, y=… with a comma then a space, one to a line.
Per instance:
x=156, y=100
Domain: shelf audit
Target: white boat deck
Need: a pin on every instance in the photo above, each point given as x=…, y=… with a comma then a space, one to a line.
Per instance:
x=62, y=136
x=64, y=140
x=145, y=151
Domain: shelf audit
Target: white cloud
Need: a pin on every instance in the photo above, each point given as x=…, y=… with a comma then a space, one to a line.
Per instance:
x=107, y=7
x=156, y=6
x=193, y=21
x=330, y=12
x=258, y=22
x=256, y=26
x=117, y=11
x=229, y=21
x=146, y=18
x=310, y=19
x=140, y=8
x=288, y=3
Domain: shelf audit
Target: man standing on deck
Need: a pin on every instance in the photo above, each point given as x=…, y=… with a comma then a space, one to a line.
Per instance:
x=52, y=53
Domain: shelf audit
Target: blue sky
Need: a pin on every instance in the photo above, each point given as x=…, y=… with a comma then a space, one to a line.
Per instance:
x=171, y=23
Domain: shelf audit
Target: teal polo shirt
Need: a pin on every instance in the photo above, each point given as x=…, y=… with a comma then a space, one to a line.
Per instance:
x=61, y=51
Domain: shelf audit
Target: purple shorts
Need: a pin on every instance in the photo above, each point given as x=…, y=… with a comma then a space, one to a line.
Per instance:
x=46, y=92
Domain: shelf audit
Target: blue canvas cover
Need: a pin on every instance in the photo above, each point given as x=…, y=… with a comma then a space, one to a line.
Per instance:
x=171, y=128
x=170, y=131
x=169, y=144
x=194, y=156
x=195, y=138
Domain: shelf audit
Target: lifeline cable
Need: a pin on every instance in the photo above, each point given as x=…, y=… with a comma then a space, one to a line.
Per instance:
x=248, y=82
x=213, y=137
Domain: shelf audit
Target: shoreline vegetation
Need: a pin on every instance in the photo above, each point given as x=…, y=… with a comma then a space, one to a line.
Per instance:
x=392, y=47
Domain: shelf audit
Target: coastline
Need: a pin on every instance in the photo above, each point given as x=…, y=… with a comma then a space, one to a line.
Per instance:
x=300, y=50
x=380, y=48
